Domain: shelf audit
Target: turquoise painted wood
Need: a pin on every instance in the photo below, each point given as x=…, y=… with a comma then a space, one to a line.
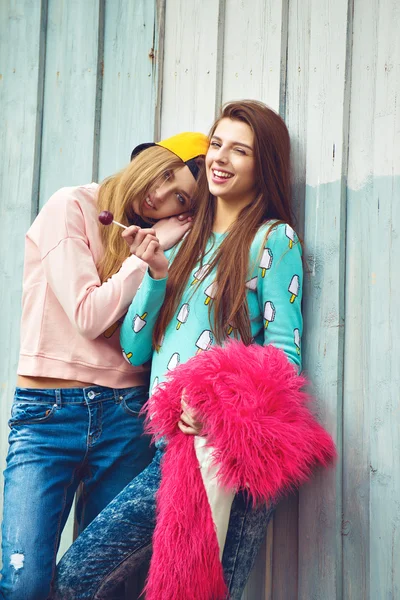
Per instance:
x=86, y=81
x=22, y=28
x=131, y=59
x=70, y=89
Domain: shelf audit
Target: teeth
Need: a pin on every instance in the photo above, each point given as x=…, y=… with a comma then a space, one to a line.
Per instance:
x=222, y=174
x=149, y=202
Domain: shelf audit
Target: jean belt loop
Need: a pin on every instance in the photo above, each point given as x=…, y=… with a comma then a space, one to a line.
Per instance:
x=58, y=398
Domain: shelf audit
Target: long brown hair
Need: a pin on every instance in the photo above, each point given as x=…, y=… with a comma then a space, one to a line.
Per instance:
x=117, y=194
x=272, y=201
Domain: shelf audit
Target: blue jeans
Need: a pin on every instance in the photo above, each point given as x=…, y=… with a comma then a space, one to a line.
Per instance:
x=118, y=541
x=59, y=439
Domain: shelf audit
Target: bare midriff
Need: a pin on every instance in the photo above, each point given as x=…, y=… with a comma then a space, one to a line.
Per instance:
x=48, y=383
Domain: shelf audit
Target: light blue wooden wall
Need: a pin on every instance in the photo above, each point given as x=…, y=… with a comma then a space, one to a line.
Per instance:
x=82, y=82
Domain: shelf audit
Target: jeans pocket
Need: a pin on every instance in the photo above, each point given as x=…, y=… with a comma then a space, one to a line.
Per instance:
x=132, y=403
x=25, y=413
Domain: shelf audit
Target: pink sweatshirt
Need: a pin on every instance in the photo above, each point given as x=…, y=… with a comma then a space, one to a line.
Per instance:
x=66, y=312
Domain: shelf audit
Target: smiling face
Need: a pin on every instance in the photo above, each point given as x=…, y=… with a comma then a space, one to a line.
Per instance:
x=230, y=162
x=171, y=195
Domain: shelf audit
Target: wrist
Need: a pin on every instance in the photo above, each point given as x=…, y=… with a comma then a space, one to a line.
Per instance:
x=158, y=274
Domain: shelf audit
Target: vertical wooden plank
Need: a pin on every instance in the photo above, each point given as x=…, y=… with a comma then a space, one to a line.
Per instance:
x=254, y=62
x=320, y=548
x=358, y=372
x=70, y=109
x=22, y=27
x=372, y=417
x=191, y=67
x=296, y=99
x=285, y=550
x=69, y=113
x=130, y=82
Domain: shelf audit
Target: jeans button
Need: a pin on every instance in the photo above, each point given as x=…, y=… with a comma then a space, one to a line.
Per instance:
x=91, y=395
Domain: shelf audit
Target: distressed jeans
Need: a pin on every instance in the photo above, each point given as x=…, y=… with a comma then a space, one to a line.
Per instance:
x=118, y=542
x=58, y=439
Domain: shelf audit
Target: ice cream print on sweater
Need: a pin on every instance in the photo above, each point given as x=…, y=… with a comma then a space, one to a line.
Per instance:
x=183, y=314
x=273, y=293
x=139, y=322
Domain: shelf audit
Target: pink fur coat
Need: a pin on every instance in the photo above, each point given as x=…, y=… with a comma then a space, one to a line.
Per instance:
x=265, y=439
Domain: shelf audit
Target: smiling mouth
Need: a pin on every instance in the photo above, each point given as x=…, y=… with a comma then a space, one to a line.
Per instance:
x=221, y=174
x=149, y=203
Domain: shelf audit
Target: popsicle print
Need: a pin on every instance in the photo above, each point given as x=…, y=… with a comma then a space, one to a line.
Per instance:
x=251, y=284
x=200, y=274
x=111, y=330
x=183, y=315
x=139, y=322
x=294, y=288
x=174, y=361
x=269, y=313
x=210, y=292
x=266, y=261
x=204, y=341
x=291, y=235
x=154, y=386
x=127, y=356
x=296, y=334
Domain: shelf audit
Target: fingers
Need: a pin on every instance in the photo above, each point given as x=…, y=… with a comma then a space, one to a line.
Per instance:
x=147, y=249
x=185, y=218
x=186, y=429
x=188, y=422
x=135, y=236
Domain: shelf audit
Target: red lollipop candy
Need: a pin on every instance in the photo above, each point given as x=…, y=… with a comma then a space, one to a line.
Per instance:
x=106, y=218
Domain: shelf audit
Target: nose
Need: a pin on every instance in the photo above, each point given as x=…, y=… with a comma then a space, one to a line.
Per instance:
x=163, y=191
x=220, y=155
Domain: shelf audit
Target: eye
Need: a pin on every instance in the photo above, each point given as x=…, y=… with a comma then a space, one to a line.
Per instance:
x=215, y=144
x=240, y=151
x=167, y=175
x=181, y=198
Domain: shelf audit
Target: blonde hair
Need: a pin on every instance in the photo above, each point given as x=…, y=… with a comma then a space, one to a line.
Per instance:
x=117, y=194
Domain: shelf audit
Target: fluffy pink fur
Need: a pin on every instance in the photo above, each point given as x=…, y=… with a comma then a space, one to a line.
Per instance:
x=257, y=417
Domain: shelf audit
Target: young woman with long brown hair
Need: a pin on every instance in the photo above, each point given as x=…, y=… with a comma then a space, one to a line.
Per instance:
x=238, y=274
x=75, y=417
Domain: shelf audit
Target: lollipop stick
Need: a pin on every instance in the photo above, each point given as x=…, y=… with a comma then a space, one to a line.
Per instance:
x=120, y=224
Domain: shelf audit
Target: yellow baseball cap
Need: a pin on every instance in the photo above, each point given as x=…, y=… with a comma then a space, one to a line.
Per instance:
x=187, y=146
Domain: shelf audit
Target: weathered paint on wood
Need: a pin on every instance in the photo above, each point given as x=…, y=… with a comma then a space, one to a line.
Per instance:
x=332, y=69
x=191, y=65
x=69, y=95
x=255, y=41
x=22, y=28
x=371, y=481
x=130, y=80
x=320, y=505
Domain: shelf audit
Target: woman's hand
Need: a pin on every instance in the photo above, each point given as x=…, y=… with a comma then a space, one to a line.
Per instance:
x=170, y=231
x=188, y=422
x=144, y=244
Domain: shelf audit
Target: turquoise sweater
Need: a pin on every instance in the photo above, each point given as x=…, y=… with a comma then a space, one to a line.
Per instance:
x=274, y=292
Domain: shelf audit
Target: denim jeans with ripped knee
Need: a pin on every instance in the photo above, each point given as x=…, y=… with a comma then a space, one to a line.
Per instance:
x=118, y=542
x=60, y=439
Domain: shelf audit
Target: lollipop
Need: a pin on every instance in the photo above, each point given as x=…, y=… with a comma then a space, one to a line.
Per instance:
x=106, y=218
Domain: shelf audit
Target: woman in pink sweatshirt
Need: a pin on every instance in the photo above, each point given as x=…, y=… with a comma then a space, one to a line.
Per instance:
x=75, y=412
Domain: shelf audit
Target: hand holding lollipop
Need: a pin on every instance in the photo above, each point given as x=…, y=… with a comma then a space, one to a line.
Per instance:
x=106, y=218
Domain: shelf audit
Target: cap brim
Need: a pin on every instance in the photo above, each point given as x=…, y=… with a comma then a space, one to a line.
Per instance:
x=138, y=149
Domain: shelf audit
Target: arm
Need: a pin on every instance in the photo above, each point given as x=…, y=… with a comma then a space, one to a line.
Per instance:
x=280, y=293
x=68, y=262
x=137, y=329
